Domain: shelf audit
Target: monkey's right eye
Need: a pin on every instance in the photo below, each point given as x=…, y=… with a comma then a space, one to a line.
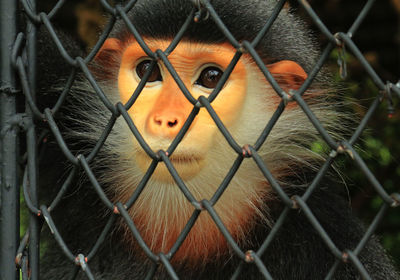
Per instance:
x=142, y=68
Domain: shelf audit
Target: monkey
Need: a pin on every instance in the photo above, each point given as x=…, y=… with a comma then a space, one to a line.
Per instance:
x=248, y=206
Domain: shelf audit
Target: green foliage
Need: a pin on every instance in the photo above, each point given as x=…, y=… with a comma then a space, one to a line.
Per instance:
x=378, y=151
x=319, y=147
x=378, y=146
x=24, y=216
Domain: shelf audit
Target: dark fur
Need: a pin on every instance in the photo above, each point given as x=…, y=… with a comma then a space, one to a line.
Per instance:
x=297, y=252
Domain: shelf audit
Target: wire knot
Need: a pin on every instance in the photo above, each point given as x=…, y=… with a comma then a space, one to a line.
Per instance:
x=341, y=60
x=202, y=14
x=246, y=152
x=388, y=94
x=249, y=256
x=81, y=260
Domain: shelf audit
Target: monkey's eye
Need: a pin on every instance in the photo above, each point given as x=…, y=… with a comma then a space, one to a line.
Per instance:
x=141, y=70
x=209, y=77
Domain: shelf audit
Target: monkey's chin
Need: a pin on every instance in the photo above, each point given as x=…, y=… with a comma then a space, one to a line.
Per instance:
x=187, y=166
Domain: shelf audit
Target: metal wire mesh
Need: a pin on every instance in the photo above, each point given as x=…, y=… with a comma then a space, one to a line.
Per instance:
x=24, y=46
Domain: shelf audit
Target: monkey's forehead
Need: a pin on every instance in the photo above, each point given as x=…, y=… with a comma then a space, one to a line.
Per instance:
x=287, y=38
x=187, y=52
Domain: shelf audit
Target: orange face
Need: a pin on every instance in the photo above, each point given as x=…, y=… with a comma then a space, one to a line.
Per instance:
x=161, y=108
x=203, y=158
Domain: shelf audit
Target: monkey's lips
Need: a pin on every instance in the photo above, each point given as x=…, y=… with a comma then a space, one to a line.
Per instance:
x=187, y=165
x=185, y=159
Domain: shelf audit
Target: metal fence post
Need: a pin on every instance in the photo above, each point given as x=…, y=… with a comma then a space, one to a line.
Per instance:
x=9, y=207
x=34, y=227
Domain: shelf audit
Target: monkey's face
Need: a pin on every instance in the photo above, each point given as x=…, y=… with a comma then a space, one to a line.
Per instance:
x=204, y=157
x=162, y=109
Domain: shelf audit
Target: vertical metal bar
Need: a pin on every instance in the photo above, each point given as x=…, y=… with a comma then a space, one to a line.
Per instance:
x=34, y=225
x=9, y=205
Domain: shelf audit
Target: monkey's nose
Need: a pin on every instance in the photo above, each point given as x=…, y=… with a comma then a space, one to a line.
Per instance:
x=163, y=121
x=167, y=125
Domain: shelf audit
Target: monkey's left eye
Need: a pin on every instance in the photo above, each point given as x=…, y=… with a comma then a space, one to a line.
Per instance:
x=209, y=77
x=142, y=68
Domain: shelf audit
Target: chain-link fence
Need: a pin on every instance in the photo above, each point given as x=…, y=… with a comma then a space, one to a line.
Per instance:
x=21, y=258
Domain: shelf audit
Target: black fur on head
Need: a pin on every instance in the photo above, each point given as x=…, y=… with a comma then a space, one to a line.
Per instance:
x=287, y=39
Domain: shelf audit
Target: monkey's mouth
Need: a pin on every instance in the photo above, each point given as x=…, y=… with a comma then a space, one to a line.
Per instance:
x=185, y=159
x=187, y=165
x=179, y=158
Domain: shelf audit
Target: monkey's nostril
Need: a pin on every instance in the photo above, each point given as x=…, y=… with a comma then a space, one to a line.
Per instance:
x=172, y=124
x=164, y=122
x=158, y=121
